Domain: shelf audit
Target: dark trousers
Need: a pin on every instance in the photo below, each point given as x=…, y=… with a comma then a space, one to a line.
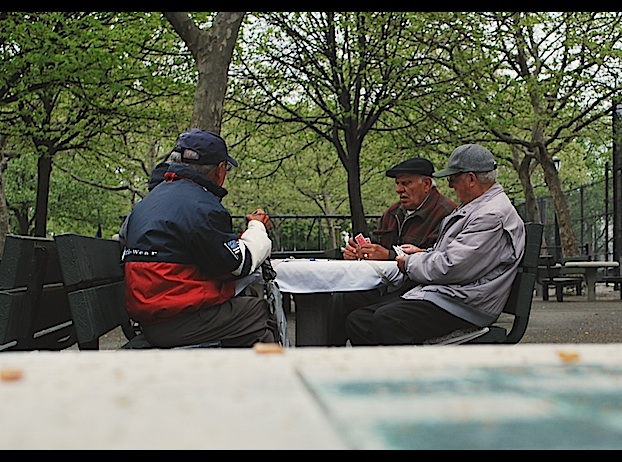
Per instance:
x=344, y=303
x=401, y=322
x=239, y=322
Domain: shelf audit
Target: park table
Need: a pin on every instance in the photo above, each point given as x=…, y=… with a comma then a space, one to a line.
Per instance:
x=311, y=281
x=591, y=268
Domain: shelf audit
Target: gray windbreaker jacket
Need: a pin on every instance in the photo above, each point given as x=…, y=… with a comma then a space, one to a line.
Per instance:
x=472, y=265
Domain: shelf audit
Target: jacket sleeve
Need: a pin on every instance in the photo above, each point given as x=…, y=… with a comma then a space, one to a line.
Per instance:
x=473, y=253
x=255, y=239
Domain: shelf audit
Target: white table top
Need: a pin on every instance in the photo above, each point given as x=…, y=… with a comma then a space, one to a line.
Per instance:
x=304, y=275
x=592, y=264
x=532, y=396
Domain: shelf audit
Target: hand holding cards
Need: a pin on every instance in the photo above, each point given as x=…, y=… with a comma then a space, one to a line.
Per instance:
x=398, y=250
x=360, y=239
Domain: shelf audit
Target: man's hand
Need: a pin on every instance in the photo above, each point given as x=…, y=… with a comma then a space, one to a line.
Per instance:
x=349, y=252
x=353, y=251
x=409, y=248
x=260, y=215
x=373, y=252
x=401, y=263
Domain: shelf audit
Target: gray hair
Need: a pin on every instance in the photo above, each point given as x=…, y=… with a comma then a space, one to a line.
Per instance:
x=422, y=177
x=204, y=170
x=487, y=177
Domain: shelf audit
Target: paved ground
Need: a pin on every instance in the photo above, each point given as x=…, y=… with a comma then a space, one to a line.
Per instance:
x=575, y=320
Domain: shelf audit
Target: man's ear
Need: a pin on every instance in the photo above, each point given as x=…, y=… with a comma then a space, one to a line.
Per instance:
x=218, y=174
x=221, y=172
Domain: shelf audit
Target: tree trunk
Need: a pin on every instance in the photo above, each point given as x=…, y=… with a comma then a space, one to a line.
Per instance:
x=352, y=165
x=4, y=214
x=523, y=166
x=212, y=50
x=44, y=171
x=570, y=247
x=359, y=224
x=350, y=159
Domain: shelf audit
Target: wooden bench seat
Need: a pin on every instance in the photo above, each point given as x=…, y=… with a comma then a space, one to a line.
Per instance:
x=94, y=282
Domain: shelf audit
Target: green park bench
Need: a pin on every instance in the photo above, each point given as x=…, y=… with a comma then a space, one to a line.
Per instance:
x=34, y=311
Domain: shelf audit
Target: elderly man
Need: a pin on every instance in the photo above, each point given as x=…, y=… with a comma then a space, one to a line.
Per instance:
x=464, y=280
x=414, y=219
x=182, y=257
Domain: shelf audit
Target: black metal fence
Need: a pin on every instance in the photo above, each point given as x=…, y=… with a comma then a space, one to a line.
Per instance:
x=297, y=233
x=591, y=210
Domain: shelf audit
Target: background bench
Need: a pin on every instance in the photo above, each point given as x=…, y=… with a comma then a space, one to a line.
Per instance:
x=560, y=277
x=34, y=311
x=614, y=279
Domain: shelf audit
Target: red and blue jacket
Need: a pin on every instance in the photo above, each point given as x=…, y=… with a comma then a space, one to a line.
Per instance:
x=180, y=249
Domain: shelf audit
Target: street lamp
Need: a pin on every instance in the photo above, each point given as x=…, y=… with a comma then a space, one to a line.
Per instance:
x=557, y=162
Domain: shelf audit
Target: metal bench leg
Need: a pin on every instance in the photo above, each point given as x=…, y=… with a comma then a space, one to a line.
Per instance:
x=545, y=292
x=559, y=292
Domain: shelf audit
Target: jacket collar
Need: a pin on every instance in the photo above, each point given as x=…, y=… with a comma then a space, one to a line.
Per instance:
x=491, y=192
x=180, y=171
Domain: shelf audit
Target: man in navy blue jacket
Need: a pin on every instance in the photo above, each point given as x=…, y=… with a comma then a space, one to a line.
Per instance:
x=182, y=258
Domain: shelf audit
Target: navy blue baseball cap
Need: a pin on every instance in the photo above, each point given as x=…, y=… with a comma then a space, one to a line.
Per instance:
x=210, y=147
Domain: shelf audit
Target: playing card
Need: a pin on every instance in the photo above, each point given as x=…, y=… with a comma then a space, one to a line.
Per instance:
x=360, y=239
x=398, y=250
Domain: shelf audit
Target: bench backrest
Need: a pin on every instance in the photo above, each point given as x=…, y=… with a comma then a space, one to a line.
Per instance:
x=94, y=281
x=519, y=302
x=34, y=311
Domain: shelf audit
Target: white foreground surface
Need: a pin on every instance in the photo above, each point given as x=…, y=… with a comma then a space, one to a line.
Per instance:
x=302, y=398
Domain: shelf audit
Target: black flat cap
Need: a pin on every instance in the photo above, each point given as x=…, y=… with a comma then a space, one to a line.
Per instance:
x=416, y=165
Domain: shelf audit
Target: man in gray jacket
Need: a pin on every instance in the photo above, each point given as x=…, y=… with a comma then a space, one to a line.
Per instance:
x=464, y=280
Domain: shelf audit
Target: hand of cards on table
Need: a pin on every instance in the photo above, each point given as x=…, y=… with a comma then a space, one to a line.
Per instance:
x=398, y=250
x=360, y=239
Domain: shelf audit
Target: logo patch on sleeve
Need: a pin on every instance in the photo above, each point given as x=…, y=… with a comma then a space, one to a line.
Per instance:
x=234, y=247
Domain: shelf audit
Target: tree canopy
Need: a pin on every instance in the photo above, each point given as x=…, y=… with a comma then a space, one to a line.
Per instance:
x=315, y=106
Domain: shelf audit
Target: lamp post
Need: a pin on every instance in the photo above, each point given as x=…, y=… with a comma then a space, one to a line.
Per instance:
x=557, y=162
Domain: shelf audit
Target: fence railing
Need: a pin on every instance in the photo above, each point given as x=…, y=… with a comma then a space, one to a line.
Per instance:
x=296, y=233
x=591, y=211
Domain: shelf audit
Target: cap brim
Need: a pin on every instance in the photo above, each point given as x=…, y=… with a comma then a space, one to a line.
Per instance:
x=232, y=161
x=446, y=172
